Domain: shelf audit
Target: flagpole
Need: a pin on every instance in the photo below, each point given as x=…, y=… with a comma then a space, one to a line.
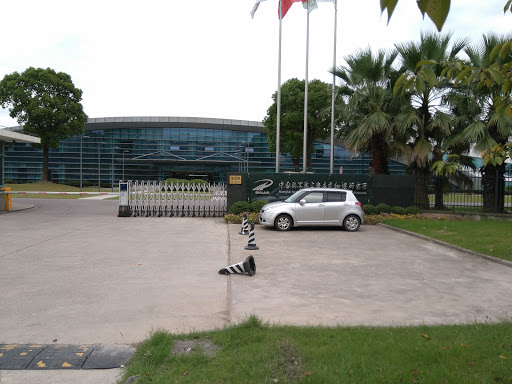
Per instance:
x=278, y=125
x=333, y=85
x=305, y=143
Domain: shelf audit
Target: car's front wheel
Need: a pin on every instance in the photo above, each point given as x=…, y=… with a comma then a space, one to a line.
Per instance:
x=283, y=223
x=351, y=223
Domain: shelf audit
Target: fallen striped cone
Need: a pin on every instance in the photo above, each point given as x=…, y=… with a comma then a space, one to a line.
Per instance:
x=247, y=266
x=245, y=226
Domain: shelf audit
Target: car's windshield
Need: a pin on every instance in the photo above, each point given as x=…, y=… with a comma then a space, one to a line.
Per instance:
x=294, y=197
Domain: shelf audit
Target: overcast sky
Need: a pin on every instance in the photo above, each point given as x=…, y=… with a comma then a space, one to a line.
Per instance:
x=205, y=58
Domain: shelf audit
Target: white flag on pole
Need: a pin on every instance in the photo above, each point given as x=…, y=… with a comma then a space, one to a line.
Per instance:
x=256, y=5
x=311, y=5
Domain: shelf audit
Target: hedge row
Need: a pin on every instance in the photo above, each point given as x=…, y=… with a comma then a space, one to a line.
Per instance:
x=384, y=208
x=243, y=207
x=181, y=181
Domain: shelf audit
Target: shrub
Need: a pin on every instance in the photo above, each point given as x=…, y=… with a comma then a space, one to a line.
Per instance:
x=174, y=181
x=197, y=181
x=399, y=210
x=369, y=209
x=237, y=219
x=240, y=207
x=383, y=208
x=412, y=210
x=76, y=183
x=256, y=205
x=183, y=181
x=73, y=183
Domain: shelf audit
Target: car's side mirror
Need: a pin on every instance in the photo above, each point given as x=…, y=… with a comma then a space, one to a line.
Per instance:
x=302, y=201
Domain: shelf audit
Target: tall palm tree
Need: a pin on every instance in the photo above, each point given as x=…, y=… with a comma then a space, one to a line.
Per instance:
x=425, y=121
x=369, y=107
x=482, y=123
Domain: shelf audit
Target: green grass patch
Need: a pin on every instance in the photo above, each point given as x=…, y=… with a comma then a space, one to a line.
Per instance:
x=491, y=238
x=51, y=187
x=464, y=198
x=252, y=352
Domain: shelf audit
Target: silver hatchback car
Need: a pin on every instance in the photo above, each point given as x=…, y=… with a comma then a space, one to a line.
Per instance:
x=315, y=206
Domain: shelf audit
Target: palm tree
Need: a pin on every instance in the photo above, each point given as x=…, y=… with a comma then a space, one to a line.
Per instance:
x=483, y=123
x=425, y=121
x=368, y=106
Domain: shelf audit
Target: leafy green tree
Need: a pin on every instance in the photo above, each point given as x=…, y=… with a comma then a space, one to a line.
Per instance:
x=368, y=107
x=425, y=121
x=292, y=118
x=479, y=101
x=453, y=165
x=497, y=154
x=436, y=10
x=47, y=104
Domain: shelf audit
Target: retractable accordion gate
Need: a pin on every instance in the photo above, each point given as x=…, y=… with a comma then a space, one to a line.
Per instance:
x=152, y=198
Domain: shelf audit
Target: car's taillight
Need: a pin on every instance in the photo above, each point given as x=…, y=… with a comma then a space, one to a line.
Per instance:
x=360, y=205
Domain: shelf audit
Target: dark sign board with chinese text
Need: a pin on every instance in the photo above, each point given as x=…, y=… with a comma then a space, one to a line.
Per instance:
x=278, y=186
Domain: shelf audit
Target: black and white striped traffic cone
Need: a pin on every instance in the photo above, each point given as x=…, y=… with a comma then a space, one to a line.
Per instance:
x=245, y=226
x=251, y=243
x=247, y=266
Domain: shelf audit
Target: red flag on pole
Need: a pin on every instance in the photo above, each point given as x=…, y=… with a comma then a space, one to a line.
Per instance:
x=286, y=4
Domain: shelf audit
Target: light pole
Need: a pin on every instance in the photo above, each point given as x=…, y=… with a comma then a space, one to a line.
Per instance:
x=124, y=151
x=243, y=155
x=99, y=166
x=81, y=137
x=112, y=172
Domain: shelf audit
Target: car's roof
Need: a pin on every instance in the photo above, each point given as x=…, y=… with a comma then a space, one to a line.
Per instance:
x=325, y=189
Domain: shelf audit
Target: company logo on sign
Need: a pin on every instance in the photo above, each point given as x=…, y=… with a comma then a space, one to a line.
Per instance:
x=259, y=189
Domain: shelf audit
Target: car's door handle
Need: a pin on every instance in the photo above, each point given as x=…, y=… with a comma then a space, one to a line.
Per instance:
x=320, y=205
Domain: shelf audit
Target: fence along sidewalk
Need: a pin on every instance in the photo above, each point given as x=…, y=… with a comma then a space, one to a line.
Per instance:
x=152, y=198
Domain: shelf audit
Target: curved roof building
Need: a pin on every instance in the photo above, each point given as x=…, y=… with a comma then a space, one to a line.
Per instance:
x=158, y=148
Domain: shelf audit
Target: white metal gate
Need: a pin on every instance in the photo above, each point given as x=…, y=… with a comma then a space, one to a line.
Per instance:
x=152, y=198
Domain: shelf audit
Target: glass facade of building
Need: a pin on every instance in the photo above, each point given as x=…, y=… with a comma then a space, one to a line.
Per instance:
x=157, y=148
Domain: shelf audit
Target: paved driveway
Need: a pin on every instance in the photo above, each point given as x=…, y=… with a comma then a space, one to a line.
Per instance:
x=375, y=276
x=72, y=271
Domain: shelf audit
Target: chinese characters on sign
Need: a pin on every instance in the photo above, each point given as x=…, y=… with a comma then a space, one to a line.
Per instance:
x=268, y=187
x=288, y=188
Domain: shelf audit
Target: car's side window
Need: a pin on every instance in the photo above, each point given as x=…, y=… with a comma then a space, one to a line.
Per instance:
x=314, y=197
x=336, y=197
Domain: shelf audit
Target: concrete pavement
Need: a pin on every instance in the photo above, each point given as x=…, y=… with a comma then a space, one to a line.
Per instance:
x=72, y=271
x=375, y=276
x=75, y=272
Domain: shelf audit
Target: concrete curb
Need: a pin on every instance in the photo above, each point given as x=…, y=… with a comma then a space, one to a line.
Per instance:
x=18, y=207
x=448, y=245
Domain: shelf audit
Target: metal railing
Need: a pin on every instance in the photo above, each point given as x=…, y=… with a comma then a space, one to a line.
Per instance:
x=151, y=198
x=489, y=194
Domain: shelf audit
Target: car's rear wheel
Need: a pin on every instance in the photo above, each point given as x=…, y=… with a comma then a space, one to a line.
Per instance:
x=351, y=223
x=283, y=223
